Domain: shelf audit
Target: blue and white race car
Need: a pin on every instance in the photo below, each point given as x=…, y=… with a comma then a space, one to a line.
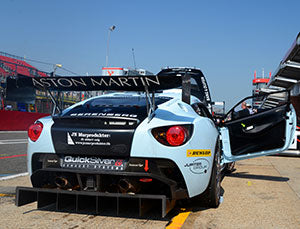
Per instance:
x=144, y=144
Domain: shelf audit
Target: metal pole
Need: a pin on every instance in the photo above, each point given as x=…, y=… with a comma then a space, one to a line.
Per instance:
x=133, y=58
x=107, y=48
x=108, y=38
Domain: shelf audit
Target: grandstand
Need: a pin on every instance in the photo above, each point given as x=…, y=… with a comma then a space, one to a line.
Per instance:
x=12, y=66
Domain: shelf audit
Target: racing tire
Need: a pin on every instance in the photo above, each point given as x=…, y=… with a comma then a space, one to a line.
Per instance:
x=212, y=194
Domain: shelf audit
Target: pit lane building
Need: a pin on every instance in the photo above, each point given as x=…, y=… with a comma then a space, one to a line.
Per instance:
x=287, y=75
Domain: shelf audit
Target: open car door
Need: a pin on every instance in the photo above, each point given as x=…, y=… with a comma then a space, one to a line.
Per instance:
x=269, y=129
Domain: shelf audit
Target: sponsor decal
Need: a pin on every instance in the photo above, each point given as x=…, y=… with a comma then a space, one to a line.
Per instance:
x=103, y=115
x=198, y=153
x=54, y=161
x=89, y=139
x=205, y=89
x=95, y=82
x=116, y=123
x=93, y=163
x=139, y=165
x=199, y=166
x=69, y=140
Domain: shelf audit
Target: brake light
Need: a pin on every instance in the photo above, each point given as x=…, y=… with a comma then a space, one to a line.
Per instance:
x=173, y=135
x=176, y=135
x=35, y=131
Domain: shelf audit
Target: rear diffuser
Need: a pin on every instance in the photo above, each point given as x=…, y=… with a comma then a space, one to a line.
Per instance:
x=99, y=203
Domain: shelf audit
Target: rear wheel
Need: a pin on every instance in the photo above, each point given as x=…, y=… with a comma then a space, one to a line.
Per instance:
x=212, y=194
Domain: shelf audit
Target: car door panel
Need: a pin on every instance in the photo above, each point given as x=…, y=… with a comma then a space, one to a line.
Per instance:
x=264, y=133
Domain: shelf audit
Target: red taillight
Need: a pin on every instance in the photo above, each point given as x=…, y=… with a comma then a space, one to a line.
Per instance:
x=176, y=135
x=35, y=131
x=173, y=135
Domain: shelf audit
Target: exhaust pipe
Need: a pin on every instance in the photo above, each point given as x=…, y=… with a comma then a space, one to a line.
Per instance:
x=129, y=186
x=62, y=182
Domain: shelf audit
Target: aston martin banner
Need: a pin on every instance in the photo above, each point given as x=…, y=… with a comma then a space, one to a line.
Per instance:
x=96, y=83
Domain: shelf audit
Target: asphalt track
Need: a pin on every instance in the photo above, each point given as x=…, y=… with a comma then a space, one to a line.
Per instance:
x=261, y=193
x=13, y=147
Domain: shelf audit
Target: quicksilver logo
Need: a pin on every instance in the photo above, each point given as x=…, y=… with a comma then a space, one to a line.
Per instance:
x=89, y=160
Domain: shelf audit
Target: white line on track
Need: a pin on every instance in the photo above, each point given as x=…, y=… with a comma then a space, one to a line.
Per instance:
x=14, y=176
x=12, y=132
x=13, y=141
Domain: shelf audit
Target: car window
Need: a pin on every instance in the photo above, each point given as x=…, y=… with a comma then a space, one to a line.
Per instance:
x=201, y=110
x=257, y=104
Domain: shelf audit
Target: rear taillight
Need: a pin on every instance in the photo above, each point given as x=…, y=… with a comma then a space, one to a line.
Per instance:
x=173, y=135
x=176, y=135
x=35, y=131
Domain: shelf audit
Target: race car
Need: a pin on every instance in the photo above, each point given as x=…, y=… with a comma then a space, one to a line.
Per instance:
x=153, y=141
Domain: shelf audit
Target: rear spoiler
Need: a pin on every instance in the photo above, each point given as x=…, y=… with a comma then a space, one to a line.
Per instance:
x=98, y=83
x=23, y=87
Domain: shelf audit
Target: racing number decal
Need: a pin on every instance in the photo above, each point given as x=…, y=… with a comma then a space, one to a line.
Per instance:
x=198, y=153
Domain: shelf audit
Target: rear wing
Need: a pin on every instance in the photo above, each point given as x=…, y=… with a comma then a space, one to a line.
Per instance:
x=22, y=88
x=98, y=83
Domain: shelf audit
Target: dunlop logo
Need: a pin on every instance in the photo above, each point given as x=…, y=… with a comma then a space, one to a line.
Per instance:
x=198, y=153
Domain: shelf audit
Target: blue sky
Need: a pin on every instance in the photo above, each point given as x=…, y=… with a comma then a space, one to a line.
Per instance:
x=227, y=40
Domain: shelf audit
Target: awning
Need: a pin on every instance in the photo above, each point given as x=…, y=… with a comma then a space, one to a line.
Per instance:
x=286, y=76
x=288, y=72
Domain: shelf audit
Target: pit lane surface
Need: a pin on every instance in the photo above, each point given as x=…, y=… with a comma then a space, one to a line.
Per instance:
x=261, y=193
x=13, y=147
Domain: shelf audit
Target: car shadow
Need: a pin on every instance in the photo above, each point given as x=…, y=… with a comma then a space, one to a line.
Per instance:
x=128, y=214
x=258, y=177
x=194, y=204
